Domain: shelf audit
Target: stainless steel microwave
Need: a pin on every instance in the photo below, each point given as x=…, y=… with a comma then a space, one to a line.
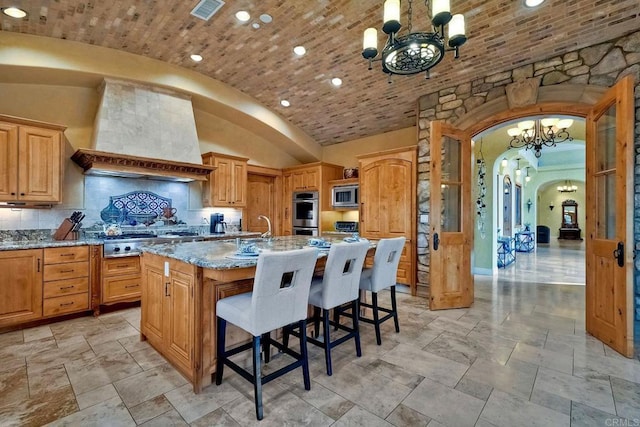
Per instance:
x=344, y=196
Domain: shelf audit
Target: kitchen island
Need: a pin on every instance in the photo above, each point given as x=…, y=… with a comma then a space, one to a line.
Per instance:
x=181, y=284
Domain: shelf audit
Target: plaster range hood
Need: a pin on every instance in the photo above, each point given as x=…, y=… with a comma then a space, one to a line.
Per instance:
x=142, y=131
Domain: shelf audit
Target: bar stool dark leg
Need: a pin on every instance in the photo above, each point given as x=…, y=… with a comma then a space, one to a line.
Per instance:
x=266, y=347
x=304, y=354
x=376, y=316
x=257, y=377
x=220, y=341
x=356, y=330
x=327, y=340
x=394, y=308
x=316, y=322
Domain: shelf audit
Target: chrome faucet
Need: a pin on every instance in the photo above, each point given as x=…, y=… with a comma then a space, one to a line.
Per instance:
x=266, y=234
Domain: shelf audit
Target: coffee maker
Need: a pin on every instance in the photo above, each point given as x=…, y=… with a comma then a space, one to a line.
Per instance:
x=216, y=225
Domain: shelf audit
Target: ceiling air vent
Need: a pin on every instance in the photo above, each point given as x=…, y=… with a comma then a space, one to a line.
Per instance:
x=207, y=8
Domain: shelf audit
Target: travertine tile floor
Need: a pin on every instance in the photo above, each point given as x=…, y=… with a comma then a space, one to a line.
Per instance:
x=519, y=356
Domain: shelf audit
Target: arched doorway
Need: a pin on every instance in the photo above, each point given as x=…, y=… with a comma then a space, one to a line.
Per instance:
x=609, y=205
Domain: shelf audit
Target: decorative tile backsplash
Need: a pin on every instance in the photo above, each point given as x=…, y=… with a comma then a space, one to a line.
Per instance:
x=94, y=195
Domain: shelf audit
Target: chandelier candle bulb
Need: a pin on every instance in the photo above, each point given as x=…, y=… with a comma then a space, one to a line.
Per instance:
x=457, y=34
x=441, y=12
x=370, y=41
x=391, y=16
x=549, y=122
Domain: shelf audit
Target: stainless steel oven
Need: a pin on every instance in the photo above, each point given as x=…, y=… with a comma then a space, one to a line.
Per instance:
x=305, y=209
x=305, y=231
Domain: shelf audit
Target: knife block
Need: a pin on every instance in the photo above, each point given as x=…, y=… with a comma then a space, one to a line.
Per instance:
x=63, y=231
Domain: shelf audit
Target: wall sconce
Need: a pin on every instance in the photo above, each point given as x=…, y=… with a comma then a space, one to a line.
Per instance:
x=551, y=206
x=529, y=203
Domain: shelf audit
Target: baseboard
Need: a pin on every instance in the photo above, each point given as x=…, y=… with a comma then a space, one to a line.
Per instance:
x=482, y=271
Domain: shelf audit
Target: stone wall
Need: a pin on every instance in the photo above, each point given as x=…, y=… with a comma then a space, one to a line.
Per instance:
x=598, y=65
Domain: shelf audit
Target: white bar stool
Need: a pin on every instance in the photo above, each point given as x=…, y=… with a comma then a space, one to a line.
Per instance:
x=382, y=276
x=279, y=298
x=338, y=286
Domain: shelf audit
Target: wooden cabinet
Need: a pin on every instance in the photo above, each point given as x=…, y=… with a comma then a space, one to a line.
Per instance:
x=168, y=309
x=306, y=179
x=227, y=185
x=388, y=203
x=20, y=286
x=309, y=177
x=30, y=161
x=66, y=280
x=120, y=280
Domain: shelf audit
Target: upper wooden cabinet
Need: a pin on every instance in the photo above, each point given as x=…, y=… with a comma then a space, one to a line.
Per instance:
x=310, y=177
x=30, y=161
x=227, y=185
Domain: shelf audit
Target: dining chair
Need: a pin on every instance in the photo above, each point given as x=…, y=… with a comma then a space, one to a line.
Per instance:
x=280, y=297
x=379, y=277
x=338, y=286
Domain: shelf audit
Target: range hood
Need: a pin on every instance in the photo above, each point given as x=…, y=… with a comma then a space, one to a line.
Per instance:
x=143, y=132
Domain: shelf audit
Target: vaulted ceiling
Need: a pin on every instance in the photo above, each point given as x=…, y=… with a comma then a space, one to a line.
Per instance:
x=502, y=34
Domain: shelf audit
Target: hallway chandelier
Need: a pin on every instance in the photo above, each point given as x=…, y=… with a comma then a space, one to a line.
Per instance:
x=415, y=52
x=535, y=134
x=567, y=187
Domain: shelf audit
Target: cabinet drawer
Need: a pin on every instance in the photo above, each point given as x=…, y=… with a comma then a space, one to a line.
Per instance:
x=118, y=266
x=66, y=304
x=122, y=288
x=64, y=287
x=68, y=270
x=66, y=254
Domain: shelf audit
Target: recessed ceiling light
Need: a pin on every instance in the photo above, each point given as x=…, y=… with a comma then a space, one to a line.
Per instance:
x=196, y=58
x=533, y=3
x=336, y=81
x=243, y=16
x=299, y=50
x=285, y=103
x=266, y=18
x=255, y=25
x=14, y=12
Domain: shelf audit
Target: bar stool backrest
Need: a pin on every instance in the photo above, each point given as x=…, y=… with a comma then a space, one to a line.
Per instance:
x=385, y=263
x=281, y=288
x=341, y=279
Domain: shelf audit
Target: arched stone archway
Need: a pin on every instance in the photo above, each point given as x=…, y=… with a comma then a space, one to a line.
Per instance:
x=566, y=84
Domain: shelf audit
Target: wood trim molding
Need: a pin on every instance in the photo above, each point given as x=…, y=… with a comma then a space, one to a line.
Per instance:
x=111, y=164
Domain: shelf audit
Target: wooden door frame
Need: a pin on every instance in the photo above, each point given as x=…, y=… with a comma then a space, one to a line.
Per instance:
x=475, y=122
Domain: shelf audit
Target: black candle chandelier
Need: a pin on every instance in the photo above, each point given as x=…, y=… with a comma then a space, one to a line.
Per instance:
x=535, y=134
x=415, y=52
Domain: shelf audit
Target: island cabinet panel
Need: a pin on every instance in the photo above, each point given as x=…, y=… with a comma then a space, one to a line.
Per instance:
x=20, y=286
x=180, y=337
x=168, y=310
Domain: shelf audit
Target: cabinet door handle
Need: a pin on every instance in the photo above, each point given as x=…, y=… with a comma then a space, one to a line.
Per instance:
x=66, y=271
x=13, y=194
x=66, y=304
x=135, y=286
x=22, y=194
x=38, y=265
x=71, y=254
x=66, y=287
x=166, y=289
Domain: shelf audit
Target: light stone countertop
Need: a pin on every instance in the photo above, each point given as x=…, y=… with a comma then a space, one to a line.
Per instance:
x=221, y=255
x=10, y=245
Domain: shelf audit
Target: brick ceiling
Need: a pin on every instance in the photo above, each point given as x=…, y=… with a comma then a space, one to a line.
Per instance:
x=502, y=34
